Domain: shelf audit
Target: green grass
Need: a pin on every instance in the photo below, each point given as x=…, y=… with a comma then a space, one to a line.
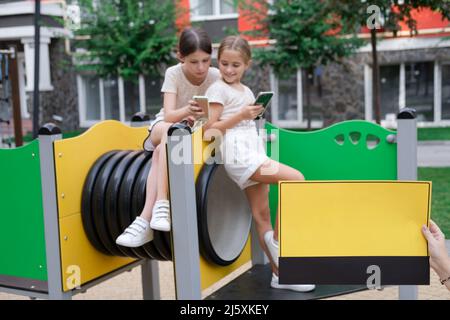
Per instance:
x=424, y=134
x=440, y=204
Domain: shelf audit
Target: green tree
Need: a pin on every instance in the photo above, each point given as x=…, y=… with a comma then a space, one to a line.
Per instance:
x=125, y=37
x=383, y=15
x=307, y=34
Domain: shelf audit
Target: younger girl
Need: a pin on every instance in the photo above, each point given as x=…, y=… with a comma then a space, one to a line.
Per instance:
x=232, y=112
x=192, y=76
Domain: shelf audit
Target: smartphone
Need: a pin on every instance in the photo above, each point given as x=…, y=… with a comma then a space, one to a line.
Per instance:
x=263, y=99
x=203, y=103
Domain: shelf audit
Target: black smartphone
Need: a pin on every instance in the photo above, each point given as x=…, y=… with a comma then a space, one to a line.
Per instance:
x=263, y=99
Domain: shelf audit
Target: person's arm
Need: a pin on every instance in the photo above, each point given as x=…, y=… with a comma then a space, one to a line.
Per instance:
x=171, y=114
x=216, y=109
x=439, y=259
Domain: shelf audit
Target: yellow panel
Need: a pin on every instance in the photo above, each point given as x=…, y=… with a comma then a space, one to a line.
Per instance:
x=210, y=273
x=353, y=218
x=73, y=159
x=76, y=250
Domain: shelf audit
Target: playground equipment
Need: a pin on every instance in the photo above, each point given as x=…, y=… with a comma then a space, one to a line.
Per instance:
x=103, y=172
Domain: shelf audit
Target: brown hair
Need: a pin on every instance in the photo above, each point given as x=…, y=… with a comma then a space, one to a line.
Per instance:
x=236, y=43
x=193, y=39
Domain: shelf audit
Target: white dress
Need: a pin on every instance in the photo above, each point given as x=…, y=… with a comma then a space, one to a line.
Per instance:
x=242, y=149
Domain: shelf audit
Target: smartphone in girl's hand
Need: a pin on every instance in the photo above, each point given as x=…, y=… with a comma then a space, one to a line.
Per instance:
x=263, y=99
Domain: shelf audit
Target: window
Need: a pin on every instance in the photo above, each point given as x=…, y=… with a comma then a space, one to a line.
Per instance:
x=446, y=92
x=422, y=85
x=389, y=90
x=287, y=99
x=312, y=94
x=420, y=89
x=92, y=99
x=132, y=103
x=201, y=9
x=293, y=97
x=153, y=97
x=111, y=98
x=115, y=98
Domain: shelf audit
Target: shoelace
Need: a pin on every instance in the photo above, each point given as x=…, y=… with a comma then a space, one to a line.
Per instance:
x=136, y=227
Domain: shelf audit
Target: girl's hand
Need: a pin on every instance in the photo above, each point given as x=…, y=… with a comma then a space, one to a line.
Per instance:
x=250, y=112
x=190, y=120
x=194, y=110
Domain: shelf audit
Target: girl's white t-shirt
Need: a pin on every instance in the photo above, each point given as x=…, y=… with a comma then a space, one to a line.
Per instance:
x=232, y=99
x=176, y=82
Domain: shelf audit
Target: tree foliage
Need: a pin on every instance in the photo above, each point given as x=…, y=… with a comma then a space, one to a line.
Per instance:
x=307, y=34
x=392, y=12
x=126, y=37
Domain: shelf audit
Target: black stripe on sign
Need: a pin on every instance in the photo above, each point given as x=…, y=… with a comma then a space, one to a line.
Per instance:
x=354, y=270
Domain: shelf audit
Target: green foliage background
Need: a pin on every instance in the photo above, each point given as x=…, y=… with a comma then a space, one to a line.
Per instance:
x=126, y=37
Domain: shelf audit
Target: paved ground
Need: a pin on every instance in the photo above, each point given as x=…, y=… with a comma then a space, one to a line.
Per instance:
x=127, y=286
x=433, y=154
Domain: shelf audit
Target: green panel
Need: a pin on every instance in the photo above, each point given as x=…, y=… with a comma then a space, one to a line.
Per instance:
x=22, y=241
x=319, y=156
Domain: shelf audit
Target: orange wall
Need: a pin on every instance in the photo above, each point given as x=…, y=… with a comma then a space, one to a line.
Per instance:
x=183, y=16
x=426, y=19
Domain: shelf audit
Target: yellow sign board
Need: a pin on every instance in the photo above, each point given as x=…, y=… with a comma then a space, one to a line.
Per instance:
x=346, y=226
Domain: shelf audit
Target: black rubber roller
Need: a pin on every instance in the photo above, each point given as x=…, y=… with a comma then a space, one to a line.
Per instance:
x=86, y=202
x=125, y=194
x=99, y=212
x=112, y=199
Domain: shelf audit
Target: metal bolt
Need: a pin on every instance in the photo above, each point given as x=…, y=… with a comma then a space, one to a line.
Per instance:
x=66, y=238
x=60, y=155
x=33, y=155
x=63, y=195
x=32, y=287
x=40, y=267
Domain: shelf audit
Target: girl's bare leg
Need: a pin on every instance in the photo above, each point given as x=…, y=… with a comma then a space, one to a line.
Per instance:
x=257, y=196
x=159, y=131
x=269, y=176
x=152, y=183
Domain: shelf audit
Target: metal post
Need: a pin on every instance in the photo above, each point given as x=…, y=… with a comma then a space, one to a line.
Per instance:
x=47, y=135
x=407, y=168
x=17, y=115
x=183, y=213
x=37, y=47
x=150, y=280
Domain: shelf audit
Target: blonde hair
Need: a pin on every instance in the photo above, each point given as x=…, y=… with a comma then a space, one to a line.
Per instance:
x=238, y=44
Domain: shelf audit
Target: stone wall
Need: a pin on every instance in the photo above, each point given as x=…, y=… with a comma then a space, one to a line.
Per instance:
x=62, y=101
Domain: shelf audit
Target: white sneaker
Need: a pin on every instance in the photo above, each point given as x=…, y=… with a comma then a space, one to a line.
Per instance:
x=272, y=246
x=160, y=216
x=294, y=287
x=137, y=234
